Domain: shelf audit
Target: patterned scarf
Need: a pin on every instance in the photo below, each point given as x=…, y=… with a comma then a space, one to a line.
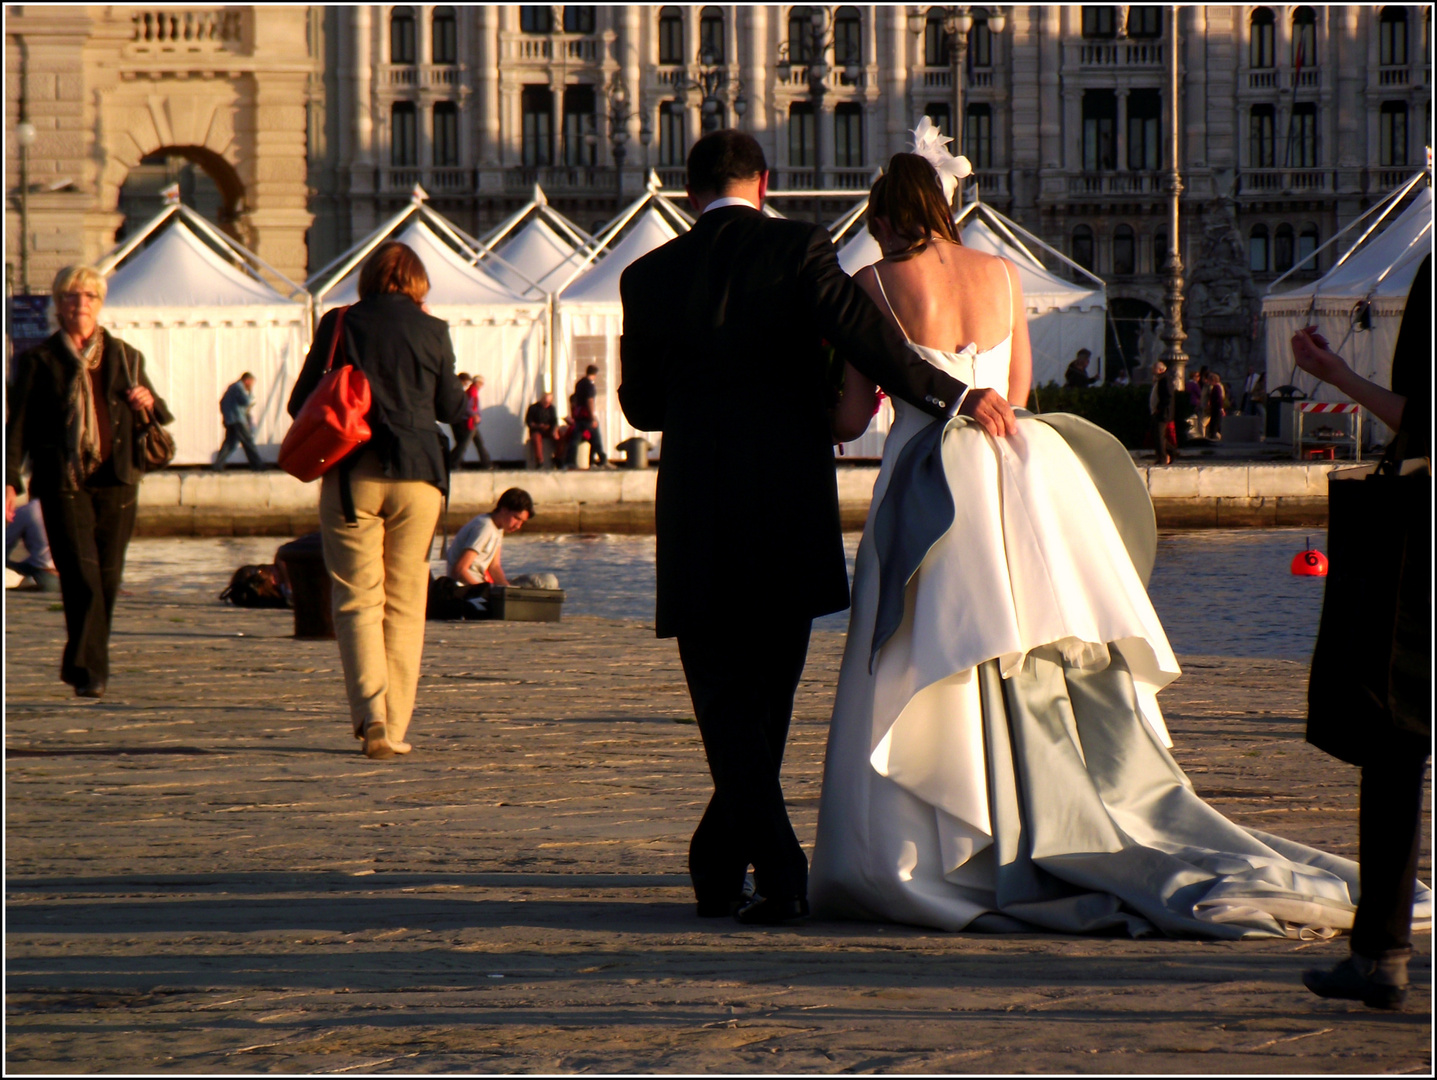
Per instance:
x=82, y=425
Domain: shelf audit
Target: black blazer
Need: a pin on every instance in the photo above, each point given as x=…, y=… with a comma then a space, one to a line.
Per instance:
x=409, y=361
x=721, y=351
x=35, y=425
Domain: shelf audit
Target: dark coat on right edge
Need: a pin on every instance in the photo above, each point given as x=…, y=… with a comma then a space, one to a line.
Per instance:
x=721, y=351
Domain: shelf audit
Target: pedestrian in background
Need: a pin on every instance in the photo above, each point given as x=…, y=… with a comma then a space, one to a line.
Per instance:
x=73, y=405
x=235, y=409
x=28, y=527
x=1077, y=373
x=583, y=425
x=542, y=422
x=468, y=429
x=379, y=507
x=1160, y=405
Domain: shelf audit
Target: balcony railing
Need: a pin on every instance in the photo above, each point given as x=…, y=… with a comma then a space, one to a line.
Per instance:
x=1384, y=180
x=980, y=78
x=991, y=183
x=1394, y=76
x=937, y=78
x=575, y=48
x=1115, y=183
x=828, y=179
x=419, y=76
x=1127, y=54
x=672, y=176
x=1285, y=181
x=834, y=80
x=561, y=178
x=1306, y=80
x=175, y=30
x=1264, y=79
x=671, y=75
x=435, y=179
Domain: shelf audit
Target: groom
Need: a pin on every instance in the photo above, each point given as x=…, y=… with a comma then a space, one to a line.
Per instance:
x=721, y=352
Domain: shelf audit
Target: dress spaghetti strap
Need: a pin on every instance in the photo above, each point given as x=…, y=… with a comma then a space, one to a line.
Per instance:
x=1008, y=280
x=884, y=293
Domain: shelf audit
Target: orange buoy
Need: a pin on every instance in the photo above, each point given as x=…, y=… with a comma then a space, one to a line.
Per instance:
x=1309, y=564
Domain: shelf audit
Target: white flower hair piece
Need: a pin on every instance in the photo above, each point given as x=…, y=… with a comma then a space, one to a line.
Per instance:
x=932, y=147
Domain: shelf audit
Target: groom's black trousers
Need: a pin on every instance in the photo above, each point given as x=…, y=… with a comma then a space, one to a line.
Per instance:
x=742, y=678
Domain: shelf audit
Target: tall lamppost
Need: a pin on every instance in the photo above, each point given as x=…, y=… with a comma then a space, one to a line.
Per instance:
x=25, y=136
x=817, y=41
x=1173, y=335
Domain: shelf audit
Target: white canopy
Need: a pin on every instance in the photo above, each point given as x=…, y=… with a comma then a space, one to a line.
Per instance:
x=497, y=334
x=1063, y=316
x=600, y=284
x=202, y=320
x=538, y=254
x=1379, y=272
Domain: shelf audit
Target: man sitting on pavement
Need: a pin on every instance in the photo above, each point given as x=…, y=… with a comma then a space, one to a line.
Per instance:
x=542, y=421
x=28, y=528
x=474, y=556
x=239, y=427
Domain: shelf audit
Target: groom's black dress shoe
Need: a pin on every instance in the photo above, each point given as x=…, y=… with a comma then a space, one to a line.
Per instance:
x=765, y=912
x=722, y=909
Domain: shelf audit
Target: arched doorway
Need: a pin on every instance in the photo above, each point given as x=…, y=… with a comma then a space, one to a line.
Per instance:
x=208, y=185
x=1133, y=342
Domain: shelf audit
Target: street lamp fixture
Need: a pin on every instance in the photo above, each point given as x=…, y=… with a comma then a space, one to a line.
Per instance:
x=25, y=136
x=712, y=85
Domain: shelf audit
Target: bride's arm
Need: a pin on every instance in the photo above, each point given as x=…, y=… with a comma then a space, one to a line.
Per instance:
x=1020, y=366
x=856, y=407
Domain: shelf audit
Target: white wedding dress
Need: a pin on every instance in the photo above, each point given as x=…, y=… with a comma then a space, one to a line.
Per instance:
x=997, y=759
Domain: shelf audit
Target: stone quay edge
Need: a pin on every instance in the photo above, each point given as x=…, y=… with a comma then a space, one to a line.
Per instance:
x=184, y=502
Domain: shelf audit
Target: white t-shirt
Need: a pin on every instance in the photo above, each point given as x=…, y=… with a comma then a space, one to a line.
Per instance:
x=480, y=536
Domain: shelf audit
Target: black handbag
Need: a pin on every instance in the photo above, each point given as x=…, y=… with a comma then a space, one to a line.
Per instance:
x=154, y=446
x=1371, y=666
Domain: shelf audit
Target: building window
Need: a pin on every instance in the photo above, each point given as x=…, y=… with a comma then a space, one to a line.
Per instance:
x=537, y=103
x=445, y=36
x=978, y=136
x=579, y=124
x=578, y=19
x=937, y=42
x=1100, y=125
x=1306, y=245
x=404, y=142
x=671, y=36
x=1257, y=249
x=1304, y=38
x=847, y=37
x=848, y=135
x=1259, y=54
x=1145, y=21
x=1392, y=36
x=1083, y=247
x=800, y=35
x=711, y=37
x=1282, y=246
x=1160, y=251
x=1145, y=110
x=1125, y=250
x=1100, y=21
x=401, y=35
x=672, y=148
x=1392, y=134
x=980, y=44
x=1302, y=136
x=802, y=145
x=534, y=19
x=1262, y=124
x=446, y=133
x=941, y=115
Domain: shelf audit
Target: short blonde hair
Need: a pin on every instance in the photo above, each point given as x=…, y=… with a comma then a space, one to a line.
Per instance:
x=76, y=277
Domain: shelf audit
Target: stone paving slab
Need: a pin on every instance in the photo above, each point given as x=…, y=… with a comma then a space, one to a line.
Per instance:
x=204, y=875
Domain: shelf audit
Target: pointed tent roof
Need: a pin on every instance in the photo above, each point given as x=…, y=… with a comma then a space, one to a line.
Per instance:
x=180, y=270
x=983, y=229
x=600, y=284
x=538, y=254
x=536, y=209
x=1382, y=268
x=452, y=281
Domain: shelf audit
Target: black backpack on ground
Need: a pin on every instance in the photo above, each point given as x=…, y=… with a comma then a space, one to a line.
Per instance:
x=255, y=587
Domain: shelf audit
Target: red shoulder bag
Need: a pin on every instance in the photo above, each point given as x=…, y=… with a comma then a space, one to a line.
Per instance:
x=332, y=421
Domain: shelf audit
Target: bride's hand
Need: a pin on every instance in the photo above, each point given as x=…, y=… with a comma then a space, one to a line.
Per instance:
x=991, y=409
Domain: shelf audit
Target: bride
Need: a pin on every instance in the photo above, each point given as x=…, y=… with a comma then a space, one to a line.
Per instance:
x=997, y=759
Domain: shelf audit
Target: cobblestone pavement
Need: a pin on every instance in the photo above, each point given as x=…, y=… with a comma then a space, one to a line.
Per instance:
x=204, y=875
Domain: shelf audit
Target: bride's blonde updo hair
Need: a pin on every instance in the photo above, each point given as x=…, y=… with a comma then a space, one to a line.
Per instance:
x=910, y=196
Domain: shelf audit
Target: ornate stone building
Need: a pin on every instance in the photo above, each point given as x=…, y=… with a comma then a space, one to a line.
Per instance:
x=109, y=88
x=1294, y=119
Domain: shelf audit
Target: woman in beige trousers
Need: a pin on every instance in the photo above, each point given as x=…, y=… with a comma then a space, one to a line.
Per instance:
x=378, y=509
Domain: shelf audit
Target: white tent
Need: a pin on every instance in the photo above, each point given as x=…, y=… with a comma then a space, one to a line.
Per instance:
x=589, y=316
x=202, y=319
x=1377, y=270
x=1063, y=317
x=535, y=251
x=496, y=333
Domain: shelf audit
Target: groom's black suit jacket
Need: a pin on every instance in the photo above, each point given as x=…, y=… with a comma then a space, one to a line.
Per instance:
x=721, y=351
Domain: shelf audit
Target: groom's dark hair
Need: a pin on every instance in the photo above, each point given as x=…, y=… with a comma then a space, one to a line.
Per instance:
x=721, y=157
